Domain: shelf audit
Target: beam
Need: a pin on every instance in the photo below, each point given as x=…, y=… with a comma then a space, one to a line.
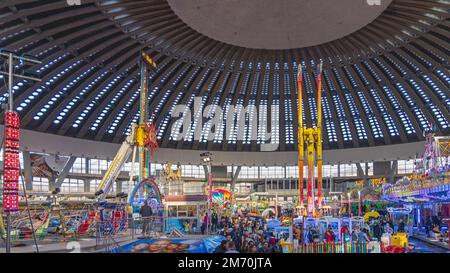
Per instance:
x=235, y=177
x=205, y=168
x=360, y=171
x=64, y=172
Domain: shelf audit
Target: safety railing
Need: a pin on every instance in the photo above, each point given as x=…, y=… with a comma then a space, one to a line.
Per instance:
x=338, y=247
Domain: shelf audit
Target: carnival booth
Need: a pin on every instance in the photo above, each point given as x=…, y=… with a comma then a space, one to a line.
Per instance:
x=185, y=212
x=401, y=214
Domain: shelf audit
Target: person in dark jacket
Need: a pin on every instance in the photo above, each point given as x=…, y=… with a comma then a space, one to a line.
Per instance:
x=146, y=212
x=377, y=231
x=214, y=221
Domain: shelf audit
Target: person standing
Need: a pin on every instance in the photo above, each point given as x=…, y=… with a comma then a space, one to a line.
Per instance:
x=377, y=231
x=214, y=221
x=145, y=212
x=205, y=223
x=329, y=235
x=401, y=226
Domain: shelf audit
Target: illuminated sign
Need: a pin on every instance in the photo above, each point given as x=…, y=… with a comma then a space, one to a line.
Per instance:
x=11, y=164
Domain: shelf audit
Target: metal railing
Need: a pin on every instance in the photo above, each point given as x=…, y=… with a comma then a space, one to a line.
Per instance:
x=339, y=247
x=109, y=232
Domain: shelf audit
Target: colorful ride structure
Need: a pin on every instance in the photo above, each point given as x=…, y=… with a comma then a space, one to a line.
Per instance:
x=143, y=137
x=312, y=138
x=53, y=221
x=431, y=181
x=146, y=190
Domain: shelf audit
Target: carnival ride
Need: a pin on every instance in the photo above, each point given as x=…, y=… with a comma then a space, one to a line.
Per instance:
x=146, y=190
x=431, y=181
x=221, y=199
x=396, y=241
x=334, y=223
x=268, y=213
x=143, y=137
x=313, y=139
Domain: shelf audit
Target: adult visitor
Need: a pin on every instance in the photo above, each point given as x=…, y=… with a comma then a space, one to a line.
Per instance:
x=145, y=212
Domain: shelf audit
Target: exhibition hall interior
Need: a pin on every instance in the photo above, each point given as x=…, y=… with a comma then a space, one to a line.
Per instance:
x=236, y=126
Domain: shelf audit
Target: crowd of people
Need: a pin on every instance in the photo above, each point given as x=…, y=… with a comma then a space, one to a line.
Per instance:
x=242, y=234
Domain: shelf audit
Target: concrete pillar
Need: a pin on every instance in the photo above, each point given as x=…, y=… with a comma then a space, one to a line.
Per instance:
x=87, y=185
x=52, y=183
x=118, y=186
x=393, y=171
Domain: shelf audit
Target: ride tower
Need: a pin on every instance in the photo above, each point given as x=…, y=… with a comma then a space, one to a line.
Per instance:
x=142, y=139
x=312, y=139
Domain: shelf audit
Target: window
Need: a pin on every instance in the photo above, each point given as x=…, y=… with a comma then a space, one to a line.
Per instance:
x=72, y=185
x=79, y=166
x=40, y=184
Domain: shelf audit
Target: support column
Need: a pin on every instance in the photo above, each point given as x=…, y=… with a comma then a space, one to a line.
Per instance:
x=87, y=185
x=235, y=177
x=52, y=183
x=87, y=166
x=359, y=170
x=28, y=174
x=205, y=168
x=118, y=186
x=393, y=171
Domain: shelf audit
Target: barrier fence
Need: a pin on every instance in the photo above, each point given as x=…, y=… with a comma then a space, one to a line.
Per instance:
x=338, y=247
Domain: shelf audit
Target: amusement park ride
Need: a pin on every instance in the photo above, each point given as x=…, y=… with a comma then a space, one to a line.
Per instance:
x=313, y=139
x=142, y=138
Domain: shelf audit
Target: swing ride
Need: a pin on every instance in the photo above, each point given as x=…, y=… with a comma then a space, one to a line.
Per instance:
x=142, y=138
x=312, y=137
